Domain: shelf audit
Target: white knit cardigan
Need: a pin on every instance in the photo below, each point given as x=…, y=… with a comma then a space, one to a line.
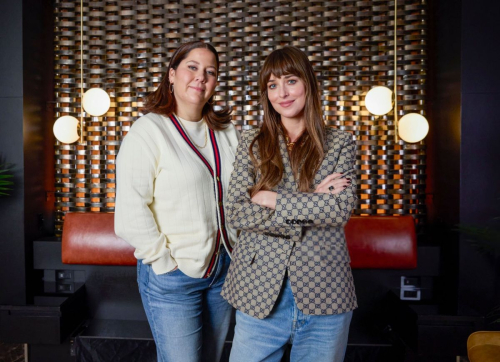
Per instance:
x=169, y=206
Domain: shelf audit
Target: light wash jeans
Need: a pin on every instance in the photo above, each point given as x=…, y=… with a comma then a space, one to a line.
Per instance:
x=188, y=317
x=314, y=338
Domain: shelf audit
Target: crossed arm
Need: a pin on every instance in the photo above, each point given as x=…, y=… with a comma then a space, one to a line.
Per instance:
x=270, y=209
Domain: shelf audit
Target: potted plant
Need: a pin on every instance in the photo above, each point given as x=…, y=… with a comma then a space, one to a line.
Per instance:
x=5, y=180
x=485, y=240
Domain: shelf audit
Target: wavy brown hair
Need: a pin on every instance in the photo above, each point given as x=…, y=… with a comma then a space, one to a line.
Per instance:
x=309, y=151
x=161, y=101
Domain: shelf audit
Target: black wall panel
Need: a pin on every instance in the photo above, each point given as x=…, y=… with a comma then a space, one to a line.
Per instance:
x=480, y=150
x=12, y=246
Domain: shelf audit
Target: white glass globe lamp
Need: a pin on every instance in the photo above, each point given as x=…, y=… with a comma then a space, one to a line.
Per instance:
x=378, y=101
x=66, y=129
x=96, y=102
x=413, y=127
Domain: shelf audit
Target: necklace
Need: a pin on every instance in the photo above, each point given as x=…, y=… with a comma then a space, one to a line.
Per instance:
x=190, y=138
x=289, y=144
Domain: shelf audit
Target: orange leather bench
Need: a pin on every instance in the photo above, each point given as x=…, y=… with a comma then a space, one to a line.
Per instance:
x=374, y=242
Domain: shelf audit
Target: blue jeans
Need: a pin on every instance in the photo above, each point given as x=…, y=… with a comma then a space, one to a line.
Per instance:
x=188, y=317
x=314, y=338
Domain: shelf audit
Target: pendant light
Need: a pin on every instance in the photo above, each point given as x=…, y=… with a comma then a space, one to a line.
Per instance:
x=412, y=127
x=95, y=102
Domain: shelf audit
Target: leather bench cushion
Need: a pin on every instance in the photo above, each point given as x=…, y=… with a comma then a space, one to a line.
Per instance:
x=382, y=242
x=89, y=238
x=379, y=242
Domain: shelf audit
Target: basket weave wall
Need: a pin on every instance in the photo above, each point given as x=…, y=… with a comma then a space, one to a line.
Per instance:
x=127, y=45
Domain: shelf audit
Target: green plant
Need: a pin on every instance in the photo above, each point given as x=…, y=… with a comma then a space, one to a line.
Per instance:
x=486, y=241
x=5, y=180
x=483, y=239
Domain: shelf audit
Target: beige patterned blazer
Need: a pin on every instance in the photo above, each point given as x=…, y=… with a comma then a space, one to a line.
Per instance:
x=304, y=235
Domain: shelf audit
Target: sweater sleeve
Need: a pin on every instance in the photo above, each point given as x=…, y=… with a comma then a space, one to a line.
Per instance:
x=321, y=209
x=136, y=167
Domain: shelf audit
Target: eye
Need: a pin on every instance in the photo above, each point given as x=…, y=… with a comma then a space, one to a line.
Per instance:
x=192, y=67
x=211, y=72
x=272, y=86
x=292, y=81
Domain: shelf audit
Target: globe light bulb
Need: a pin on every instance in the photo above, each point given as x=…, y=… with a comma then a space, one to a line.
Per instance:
x=96, y=102
x=413, y=127
x=66, y=129
x=378, y=101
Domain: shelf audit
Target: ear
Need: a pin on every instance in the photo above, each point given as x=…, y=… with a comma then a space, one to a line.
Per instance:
x=171, y=75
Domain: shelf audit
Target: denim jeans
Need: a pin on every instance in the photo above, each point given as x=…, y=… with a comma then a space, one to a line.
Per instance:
x=188, y=317
x=321, y=338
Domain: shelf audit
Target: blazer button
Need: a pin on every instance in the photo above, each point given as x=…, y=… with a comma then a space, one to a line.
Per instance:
x=310, y=221
x=287, y=221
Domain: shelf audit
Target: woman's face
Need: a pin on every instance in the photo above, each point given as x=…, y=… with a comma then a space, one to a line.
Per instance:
x=287, y=95
x=195, y=79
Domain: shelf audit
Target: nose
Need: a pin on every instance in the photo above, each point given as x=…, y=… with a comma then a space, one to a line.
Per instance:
x=283, y=91
x=201, y=76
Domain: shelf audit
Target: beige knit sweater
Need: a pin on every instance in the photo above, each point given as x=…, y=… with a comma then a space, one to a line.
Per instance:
x=166, y=199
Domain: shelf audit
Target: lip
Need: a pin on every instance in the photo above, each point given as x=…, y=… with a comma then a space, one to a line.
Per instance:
x=198, y=89
x=286, y=104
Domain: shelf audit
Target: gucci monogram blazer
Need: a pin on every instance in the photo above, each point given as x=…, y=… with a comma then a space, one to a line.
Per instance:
x=303, y=236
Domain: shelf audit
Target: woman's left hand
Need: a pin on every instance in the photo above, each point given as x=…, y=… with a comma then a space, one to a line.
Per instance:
x=265, y=199
x=333, y=184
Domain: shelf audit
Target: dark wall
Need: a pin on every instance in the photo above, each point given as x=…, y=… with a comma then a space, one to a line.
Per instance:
x=443, y=160
x=480, y=150
x=12, y=243
x=444, y=113
x=26, y=54
x=38, y=96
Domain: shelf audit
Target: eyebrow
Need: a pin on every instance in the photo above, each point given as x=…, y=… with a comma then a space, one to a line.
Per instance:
x=194, y=61
x=286, y=77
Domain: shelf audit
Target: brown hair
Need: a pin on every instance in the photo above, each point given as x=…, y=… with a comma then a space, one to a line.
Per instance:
x=309, y=152
x=162, y=101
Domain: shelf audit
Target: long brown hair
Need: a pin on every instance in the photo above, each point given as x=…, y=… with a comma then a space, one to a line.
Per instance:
x=162, y=101
x=309, y=152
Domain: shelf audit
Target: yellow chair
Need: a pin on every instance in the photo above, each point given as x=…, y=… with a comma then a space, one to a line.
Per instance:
x=484, y=347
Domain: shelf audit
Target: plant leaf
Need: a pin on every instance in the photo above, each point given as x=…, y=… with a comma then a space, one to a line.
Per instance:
x=484, y=239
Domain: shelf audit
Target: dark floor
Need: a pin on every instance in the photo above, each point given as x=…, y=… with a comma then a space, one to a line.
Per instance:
x=11, y=352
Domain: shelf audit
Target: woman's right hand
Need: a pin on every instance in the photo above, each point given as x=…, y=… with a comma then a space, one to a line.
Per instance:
x=333, y=184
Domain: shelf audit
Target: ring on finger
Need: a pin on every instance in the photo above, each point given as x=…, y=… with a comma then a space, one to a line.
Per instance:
x=331, y=188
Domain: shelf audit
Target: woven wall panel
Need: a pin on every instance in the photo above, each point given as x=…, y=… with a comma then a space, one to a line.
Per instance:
x=127, y=45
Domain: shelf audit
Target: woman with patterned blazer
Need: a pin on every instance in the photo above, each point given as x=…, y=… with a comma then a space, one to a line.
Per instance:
x=290, y=195
x=173, y=171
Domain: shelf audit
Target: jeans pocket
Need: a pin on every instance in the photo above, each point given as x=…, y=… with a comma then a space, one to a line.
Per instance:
x=173, y=271
x=142, y=273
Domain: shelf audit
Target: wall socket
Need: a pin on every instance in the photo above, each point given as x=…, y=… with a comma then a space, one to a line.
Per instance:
x=410, y=288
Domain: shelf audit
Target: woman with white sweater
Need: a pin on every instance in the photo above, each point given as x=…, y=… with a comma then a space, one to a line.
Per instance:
x=172, y=174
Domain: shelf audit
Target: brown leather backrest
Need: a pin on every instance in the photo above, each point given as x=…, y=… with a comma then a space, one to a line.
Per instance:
x=382, y=242
x=89, y=238
x=379, y=242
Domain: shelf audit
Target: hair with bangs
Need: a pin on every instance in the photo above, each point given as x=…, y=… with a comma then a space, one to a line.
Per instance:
x=161, y=101
x=309, y=150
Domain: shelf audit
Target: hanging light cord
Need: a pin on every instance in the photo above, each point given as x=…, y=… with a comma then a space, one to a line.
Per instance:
x=81, y=71
x=395, y=71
